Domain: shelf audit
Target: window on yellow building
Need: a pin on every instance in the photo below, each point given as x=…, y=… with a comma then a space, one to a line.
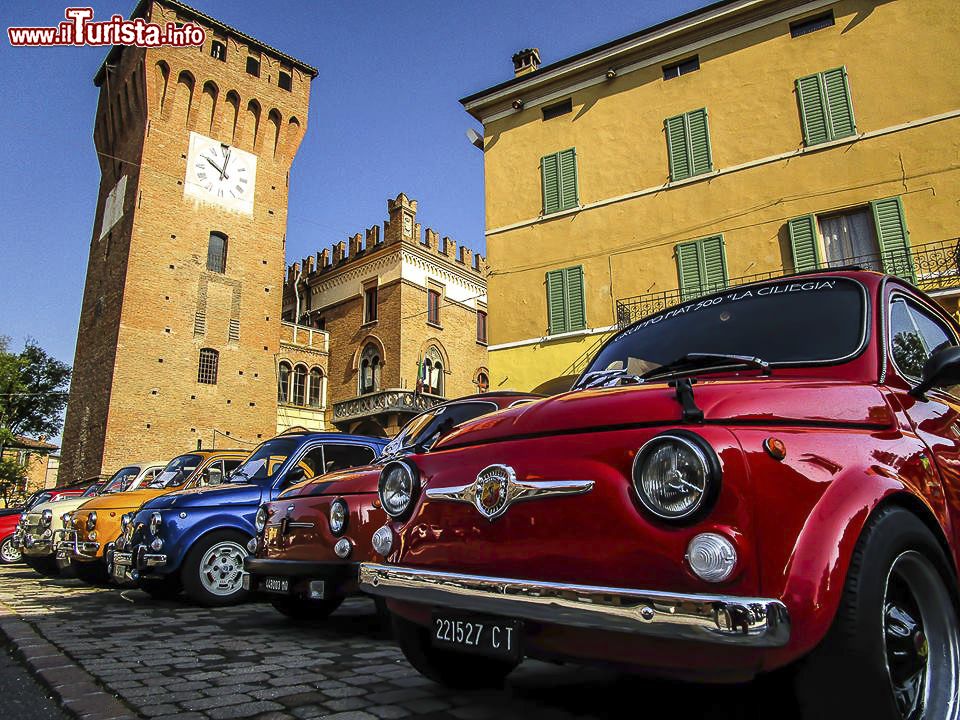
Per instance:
x=558, y=174
x=209, y=364
x=808, y=25
x=675, y=70
x=873, y=236
x=701, y=266
x=688, y=144
x=566, y=310
x=826, y=111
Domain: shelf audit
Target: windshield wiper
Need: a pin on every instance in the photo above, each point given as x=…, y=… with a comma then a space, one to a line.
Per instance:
x=601, y=378
x=693, y=361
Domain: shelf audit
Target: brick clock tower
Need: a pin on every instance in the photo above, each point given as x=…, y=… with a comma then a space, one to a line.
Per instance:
x=179, y=326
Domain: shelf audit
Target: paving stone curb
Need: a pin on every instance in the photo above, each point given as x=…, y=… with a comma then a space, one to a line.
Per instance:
x=77, y=692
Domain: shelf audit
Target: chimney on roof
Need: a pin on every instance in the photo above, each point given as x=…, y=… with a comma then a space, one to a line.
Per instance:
x=526, y=61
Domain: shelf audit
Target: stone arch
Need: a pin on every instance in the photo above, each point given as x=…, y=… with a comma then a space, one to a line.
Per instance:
x=355, y=363
x=232, y=115
x=292, y=140
x=481, y=379
x=208, y=107
x=183, y=98
x=161, y=78
x=274, y=123
x=441, y=350
x=251, y=124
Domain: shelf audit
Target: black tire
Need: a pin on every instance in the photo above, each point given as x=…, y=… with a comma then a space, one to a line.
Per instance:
x=451, y=669
x=166, y=589
x=193, y=578
x=92, y=573
x=301, y=610
x=896, y=561
x=46, y=565
x=8, y=553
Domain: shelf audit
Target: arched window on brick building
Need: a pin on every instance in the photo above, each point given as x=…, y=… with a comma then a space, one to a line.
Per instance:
x=315, y=392
x=433, y=366
x=283, y=382
x=217, y=253
x=299, y=384
x=209, y=365
x=370, y=363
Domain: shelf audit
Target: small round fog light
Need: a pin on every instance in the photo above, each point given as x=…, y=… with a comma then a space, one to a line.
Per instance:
x=712, y=557
x=383, y=540
x=342, y=548
x=93, y=535
x=156, y=545
x=252, y=545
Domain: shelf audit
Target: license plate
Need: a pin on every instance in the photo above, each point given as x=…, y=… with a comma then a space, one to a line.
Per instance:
x=119, y=572
x=478, y=635
x=277, y=585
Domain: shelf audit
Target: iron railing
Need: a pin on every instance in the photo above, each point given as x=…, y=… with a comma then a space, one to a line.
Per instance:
x=931, y=267
x=390, y=400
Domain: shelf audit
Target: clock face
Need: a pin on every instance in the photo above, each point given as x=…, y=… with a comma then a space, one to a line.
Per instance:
x=221, y=174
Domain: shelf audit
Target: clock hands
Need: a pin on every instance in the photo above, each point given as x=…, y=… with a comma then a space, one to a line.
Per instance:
x=222, y=171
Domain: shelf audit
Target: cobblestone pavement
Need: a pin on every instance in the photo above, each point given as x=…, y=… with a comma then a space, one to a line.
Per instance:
x=166, y=659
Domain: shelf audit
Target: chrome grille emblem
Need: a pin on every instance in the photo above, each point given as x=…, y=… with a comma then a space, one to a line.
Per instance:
x=497, y=488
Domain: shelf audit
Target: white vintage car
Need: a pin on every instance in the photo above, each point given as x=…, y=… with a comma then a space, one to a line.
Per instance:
x=40, y=528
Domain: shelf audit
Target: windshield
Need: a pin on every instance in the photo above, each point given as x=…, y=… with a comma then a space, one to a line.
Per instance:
x=265, y=460
x=121, y=480
x=37, y=499
x=426, y=428
x=794, y=321
x=92, y=490
x=176, y=472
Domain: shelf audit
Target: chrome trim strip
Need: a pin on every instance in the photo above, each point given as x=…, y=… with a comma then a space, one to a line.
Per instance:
x=715, y=619
x=516, y=491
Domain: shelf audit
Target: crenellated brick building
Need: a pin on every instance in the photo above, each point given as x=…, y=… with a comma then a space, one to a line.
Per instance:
x=397, y=302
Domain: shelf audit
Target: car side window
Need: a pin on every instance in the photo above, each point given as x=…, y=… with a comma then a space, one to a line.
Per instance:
x=312, y=462
x=230, y=465
x=341, y=457
x=212, y=474
x=914, y=336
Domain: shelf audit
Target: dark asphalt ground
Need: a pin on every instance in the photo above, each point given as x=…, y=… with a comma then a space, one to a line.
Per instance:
x=21, y=697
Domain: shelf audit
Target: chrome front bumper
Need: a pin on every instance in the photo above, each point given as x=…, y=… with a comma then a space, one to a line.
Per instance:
x=71, y=547
x=716, y=619
x=137, y=560
x=37, y=545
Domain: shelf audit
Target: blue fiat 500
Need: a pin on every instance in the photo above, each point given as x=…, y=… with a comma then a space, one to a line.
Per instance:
x=195, y=540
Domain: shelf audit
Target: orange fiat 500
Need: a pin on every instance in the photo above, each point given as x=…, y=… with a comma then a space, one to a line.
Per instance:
x=92, y=530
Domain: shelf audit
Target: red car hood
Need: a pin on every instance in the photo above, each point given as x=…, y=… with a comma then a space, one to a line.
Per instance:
x=363, y=479
x=753, y=401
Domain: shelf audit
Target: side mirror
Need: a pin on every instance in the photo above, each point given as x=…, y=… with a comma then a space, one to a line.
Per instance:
x=941, y=369
x=214, y=476
x=294, y=475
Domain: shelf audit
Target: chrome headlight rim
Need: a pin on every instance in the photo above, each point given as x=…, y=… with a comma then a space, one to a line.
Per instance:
x=91, y=520
x=67, y=519
x=46, y=517
x=710, y=465
x=125, y=521
x=260, y=519
x=413, y=484
x=156, y=522
x=339, y=517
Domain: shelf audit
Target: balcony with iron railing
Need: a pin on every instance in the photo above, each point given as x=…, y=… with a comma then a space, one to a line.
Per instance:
x=933, y=267
x=391, y=400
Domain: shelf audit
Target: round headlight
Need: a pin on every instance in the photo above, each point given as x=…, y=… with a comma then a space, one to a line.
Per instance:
x=92, y=520
x=712, y=557
x=260, y=521
x=155, y=521
x=66, y=519
x=399, y=484
x=46, y=517
x=676, y=475
x=125, y=521
x=338, y=516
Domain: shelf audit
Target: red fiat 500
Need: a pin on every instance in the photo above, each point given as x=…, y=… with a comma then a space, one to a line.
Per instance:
x=312, y=538
x=764, y=477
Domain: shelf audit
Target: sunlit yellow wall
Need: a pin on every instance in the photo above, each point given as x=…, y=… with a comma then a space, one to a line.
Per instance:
x=901, y=59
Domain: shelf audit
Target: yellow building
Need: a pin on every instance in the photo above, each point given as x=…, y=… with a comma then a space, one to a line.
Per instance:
x=747, y=139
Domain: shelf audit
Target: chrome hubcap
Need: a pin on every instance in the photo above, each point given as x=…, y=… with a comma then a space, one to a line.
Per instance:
x=920, y=639
x=221, y=568
x=9, y=553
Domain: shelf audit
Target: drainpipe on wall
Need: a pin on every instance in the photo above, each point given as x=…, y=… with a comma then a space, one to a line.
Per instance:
x=296, y=291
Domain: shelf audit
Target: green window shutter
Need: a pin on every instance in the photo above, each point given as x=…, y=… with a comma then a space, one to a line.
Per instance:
x=550, y=175
x=678, y=156
x=713, y=263
x=699, y=134
x=893, y=238
x=803, y=243
x=813, y=116
x=688, y=270
x=839, y=107
x=556, y=303
x=569, y=196
x=576, y=310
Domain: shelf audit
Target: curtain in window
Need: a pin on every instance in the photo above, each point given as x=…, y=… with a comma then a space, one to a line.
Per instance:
x=850, y=236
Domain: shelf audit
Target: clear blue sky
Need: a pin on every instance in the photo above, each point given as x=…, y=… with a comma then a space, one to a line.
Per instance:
x=384, y=118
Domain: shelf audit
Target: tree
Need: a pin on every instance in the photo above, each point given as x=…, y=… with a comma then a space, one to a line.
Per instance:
x=33, y=394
